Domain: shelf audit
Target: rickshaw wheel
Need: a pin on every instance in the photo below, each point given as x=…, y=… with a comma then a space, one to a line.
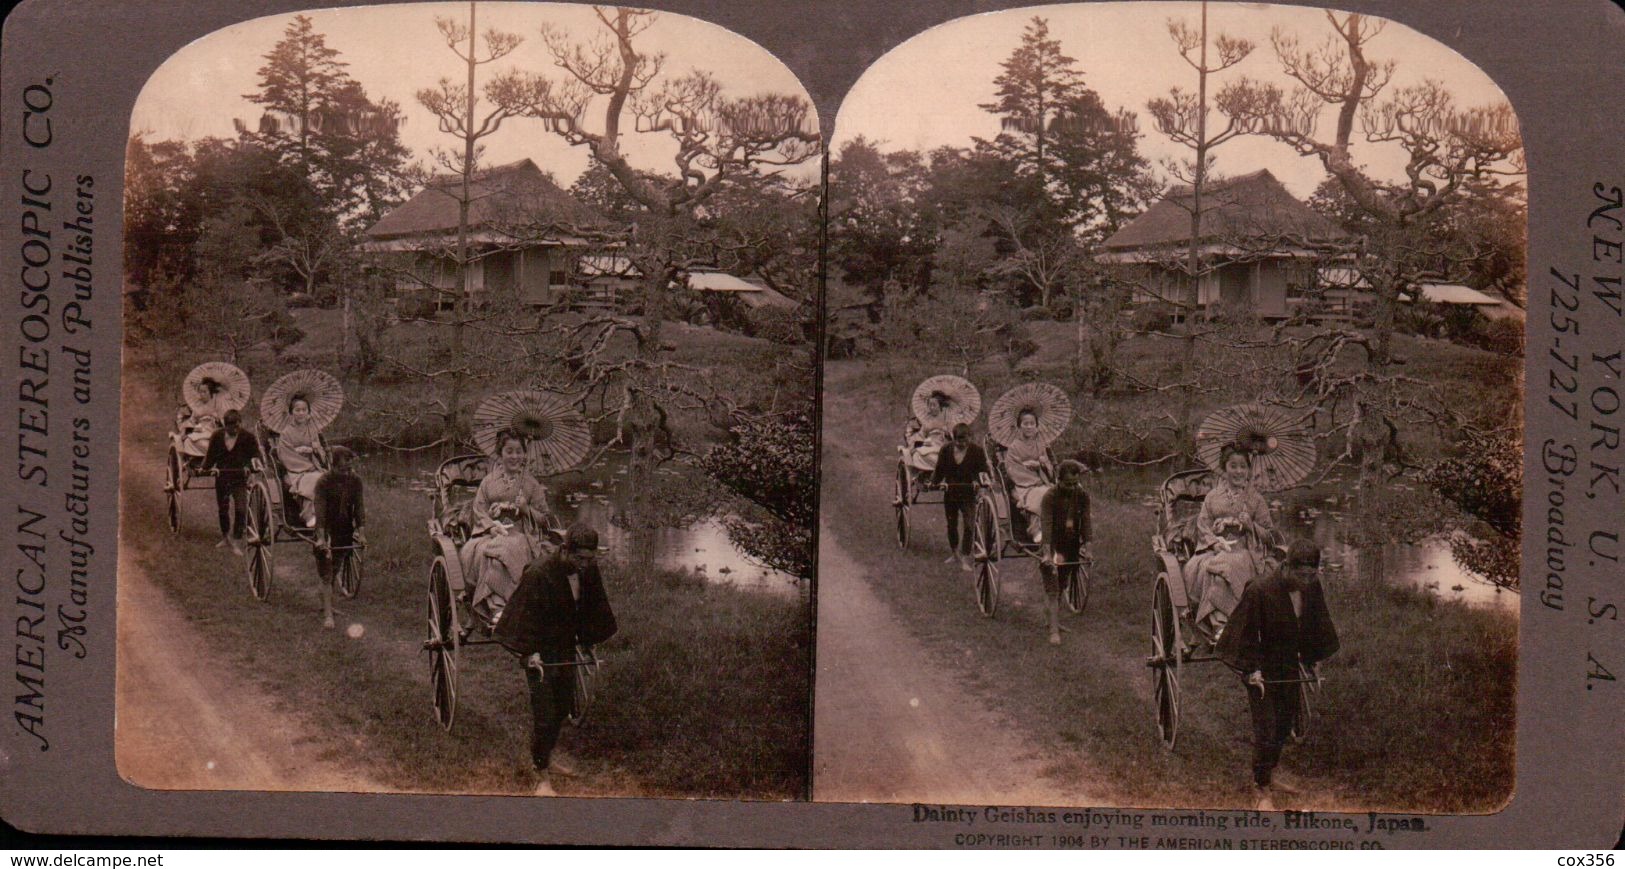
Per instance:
x=581, y=697
x=987, y=587
x=261, y=568
x=172, y=485
x=1075, y=587
x=1165, y=662
x=348, y=571
x=442, y=646
x=1304, y=714
x=985, y=530
x=900, y=499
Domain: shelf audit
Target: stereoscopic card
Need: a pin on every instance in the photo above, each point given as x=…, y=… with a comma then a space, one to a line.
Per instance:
x=955, y=425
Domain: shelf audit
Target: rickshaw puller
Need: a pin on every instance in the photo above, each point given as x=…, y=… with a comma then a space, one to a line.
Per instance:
x=560, y=604
x=1064, y=516
x=1280, y=622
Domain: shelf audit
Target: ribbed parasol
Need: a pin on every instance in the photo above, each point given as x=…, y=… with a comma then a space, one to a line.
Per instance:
x=554, y=430
x=1046, y=401
x=320, y=389
x=213, y=388
x=944, y=401
x=1279, y=438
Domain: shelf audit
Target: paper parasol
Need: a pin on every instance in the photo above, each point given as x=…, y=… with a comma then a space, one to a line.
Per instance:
x=319, y=388
x=555, y=431
x=944, y=401
x=1051, y=405
x=213, y=388
x=1279, y=438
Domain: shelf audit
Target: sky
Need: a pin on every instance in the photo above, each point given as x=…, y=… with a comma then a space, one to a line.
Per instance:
x=924, y=93
x=393, y=51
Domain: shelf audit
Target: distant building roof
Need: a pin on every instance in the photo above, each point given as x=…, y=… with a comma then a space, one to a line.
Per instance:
x=720, y=282
x=1243, y=208
x=752, y=295
x=507, y=197
x=1456, y=294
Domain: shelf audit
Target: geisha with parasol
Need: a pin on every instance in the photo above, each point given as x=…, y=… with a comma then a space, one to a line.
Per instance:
x=526, y=432
x=1025, y=421
x=298, y=406
x=1253, y=448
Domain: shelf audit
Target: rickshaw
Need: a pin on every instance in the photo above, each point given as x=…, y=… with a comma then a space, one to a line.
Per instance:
x=939, y=403
x=997, y=530
x=1284, y=453
x=209, y=391
x=558, y=440
x=272, y=516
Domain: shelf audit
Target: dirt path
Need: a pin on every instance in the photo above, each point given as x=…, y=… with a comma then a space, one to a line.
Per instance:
x=890, y=726
x=185, y=723
x=183, y=719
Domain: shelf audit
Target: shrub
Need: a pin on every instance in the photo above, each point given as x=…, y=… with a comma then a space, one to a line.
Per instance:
x=776, y=324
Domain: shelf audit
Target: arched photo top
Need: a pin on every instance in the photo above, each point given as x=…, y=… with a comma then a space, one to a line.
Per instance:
x=395, y=52
x=934, y=89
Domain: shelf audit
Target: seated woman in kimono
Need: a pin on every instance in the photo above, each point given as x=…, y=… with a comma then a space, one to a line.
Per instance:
x=509, y=505
x=1027, y=466
x=299, y=451
x=1232, y=530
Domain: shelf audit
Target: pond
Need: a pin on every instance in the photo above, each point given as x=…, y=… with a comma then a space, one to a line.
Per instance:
x=1426, y=565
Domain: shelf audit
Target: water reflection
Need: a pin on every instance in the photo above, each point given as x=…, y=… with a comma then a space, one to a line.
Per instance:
x=1427, y=565
x=701, y=547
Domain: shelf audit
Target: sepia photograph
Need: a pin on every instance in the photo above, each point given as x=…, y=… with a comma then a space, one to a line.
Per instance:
x=468, y=404
x=1172, y=418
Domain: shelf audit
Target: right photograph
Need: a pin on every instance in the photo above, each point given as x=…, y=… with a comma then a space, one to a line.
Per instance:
x=1172, y=419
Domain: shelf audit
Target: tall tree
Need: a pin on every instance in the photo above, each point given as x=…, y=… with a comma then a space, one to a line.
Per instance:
x=1059, y=132
x=461, y=113
x=609, y=90
x=341, y=149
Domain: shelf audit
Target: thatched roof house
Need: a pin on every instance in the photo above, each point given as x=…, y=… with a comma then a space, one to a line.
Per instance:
x=524, y=228
x=1257, y=244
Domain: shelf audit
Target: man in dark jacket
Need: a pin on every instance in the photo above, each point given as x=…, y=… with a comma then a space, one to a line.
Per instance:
x=959, y=464
x=560, y=604
x=1280, y=622
x=1063, y=514
x=230, y=453
x=339, y=517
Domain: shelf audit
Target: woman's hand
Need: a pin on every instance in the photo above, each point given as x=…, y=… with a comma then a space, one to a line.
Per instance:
x=304, y=450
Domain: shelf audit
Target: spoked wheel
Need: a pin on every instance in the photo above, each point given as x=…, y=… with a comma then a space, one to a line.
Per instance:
x=581, y=697
x=1304, y=714
x=172, y=489
x=1075, y=587
x=1165, y=662
x=987, y=587
x=985, y=548
x=257, y=524
x=442, y=646
x=900, y=493
x=348, y=571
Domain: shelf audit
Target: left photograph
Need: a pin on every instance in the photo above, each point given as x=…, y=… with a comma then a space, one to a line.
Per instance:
x=467, y=422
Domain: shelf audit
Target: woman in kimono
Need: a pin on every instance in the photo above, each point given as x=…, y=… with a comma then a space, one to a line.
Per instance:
x=1231, y=530
x=299, y=450
x=1027, y=466
x=509, y=502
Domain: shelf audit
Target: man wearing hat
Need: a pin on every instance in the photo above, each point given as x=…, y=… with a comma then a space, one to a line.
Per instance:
x=560, y=603
x=1280, y=622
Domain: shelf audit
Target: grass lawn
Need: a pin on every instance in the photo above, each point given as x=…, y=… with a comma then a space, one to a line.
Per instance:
x=1418, y=709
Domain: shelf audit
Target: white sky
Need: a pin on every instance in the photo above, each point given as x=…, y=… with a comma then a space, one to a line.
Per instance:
x=924, y=93
x=394, y=51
